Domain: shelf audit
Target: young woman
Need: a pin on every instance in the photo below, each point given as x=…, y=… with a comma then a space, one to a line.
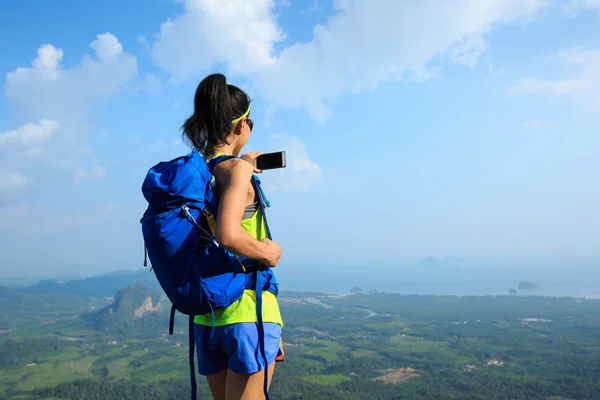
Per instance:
x=229, y=355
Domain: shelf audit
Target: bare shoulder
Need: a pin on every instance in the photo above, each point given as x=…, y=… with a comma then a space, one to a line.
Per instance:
x=234, y=168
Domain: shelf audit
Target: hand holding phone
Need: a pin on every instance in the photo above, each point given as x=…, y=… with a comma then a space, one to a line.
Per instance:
x=250, y=158
x=270, y=161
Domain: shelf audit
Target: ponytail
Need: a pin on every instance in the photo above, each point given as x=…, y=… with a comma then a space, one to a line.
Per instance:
x=216, y=104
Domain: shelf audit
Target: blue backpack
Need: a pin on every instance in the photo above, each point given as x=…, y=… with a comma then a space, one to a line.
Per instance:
x=197, y=275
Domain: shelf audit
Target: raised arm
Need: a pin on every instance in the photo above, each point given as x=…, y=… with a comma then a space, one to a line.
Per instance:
x=234, y=177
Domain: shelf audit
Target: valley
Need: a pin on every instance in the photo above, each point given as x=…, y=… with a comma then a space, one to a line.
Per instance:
x=356, y=346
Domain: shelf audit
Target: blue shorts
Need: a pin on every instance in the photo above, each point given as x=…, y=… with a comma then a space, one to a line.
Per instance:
x=235, y=347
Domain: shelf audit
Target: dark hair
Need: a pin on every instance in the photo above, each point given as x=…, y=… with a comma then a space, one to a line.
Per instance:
x=216, y=104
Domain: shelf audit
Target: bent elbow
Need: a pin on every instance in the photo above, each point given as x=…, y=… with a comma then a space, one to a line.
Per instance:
x=225, y=238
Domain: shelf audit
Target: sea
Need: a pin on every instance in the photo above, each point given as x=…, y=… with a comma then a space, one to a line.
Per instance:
x=479, y=282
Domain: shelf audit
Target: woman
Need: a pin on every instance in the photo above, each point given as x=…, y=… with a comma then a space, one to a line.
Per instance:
x=229, y=356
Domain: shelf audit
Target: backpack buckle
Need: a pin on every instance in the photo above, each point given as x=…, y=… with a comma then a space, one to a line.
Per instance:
x=204, y=242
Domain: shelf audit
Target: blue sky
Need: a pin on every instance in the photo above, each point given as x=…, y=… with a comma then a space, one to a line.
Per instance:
x=464, y=128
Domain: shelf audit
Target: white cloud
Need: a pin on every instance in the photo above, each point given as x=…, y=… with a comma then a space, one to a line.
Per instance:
x=107, y=47
x=47, y=90
x=239, y=32
x=364, y=44
x=581, y=88
x=30, y=134
x=55, y=106
x=12, y=180
x=368, y=43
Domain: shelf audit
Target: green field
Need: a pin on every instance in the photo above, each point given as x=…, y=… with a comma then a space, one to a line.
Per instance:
x=453, y=348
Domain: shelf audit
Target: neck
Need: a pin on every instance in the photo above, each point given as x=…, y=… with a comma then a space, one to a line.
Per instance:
x=226, y=149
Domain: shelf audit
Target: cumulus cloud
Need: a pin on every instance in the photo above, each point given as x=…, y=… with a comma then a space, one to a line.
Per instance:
x=241, y=33
x=54, y=106
x=363, y=44
x=107, y=47
x=30, y=134
x=367, y=43
x=581, y=88
x=47, y=90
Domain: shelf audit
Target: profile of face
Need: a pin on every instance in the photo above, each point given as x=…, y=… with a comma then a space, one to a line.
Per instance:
x=242, y=132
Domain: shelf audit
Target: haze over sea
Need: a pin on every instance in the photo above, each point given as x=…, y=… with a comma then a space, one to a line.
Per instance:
x=429, y=280
x=450, y=276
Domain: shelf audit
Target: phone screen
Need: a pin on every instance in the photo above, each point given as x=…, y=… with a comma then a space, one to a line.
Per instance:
x=271, y=160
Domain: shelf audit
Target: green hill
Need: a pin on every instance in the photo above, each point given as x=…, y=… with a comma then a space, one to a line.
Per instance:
x=96, y=286
x=136, y=304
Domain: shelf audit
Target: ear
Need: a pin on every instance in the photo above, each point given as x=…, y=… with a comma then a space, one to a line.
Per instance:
x=237, y=129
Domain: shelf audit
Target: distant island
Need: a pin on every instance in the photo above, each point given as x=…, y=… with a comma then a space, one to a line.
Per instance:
x=512, y=291
x=524, y=285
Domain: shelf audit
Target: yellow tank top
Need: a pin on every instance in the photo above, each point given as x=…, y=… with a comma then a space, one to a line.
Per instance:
x=244, y=309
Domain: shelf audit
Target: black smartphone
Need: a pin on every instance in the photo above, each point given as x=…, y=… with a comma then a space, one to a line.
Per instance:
x=270, y=161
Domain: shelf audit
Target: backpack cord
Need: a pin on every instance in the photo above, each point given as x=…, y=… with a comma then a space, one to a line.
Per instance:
x=261, y=329
x=212, y=328
x=192, y=351
x=172, y=319
x=207, y=235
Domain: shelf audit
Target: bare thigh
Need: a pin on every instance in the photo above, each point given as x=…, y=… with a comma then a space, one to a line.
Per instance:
x=247, y=386
x=216, y=383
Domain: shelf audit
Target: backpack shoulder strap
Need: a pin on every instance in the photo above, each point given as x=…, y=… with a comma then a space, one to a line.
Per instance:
x=261, y=284
x=215, y=159
x=263, y=202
